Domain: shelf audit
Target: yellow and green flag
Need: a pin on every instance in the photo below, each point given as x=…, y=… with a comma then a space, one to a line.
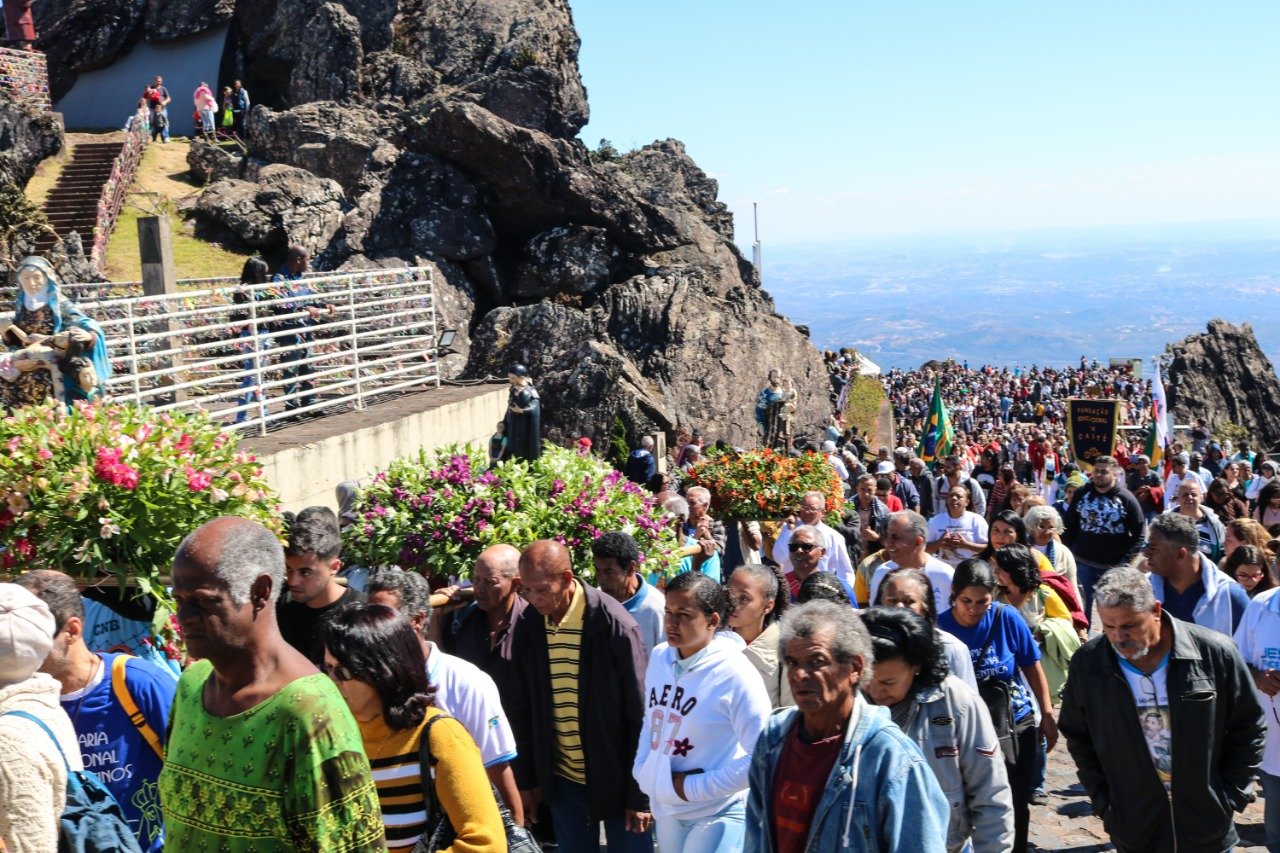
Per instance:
x=938, y=435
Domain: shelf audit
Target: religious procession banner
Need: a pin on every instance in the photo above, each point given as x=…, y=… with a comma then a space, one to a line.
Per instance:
x=1092, y=426
x=938, y=435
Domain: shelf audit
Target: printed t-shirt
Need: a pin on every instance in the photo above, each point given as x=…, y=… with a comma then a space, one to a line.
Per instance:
x=114, y=749
x=465, y=693
x=122, y=626
x=564, y=650
x=1011, y=648
x=288, y=774
x=938, y=573
x=1151, y=695
x=970, y=525
x=798, y=783
x=1258, y=639
x=300, y=624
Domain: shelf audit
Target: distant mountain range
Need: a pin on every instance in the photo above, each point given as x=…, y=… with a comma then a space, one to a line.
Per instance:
x=1044, y=297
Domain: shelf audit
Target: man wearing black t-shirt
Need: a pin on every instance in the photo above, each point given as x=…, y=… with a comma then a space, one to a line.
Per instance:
x=311, y=577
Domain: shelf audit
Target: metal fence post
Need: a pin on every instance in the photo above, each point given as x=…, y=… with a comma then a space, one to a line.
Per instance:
x=435, y=333
x=258, y=390
x=355, y=343
x=133, y=355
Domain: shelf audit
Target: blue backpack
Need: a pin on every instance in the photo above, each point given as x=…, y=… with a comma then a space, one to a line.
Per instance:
x=92, y=821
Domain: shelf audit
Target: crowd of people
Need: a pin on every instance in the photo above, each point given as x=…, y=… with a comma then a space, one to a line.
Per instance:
x=893, y=678
x=212, y=117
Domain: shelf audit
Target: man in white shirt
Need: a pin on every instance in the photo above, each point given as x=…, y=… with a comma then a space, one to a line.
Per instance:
x=904, y=542
x=1179, y=473
x=833, y=458
x=836, y=559
x=1258, y=639
x=957, y=534
x=462, y=689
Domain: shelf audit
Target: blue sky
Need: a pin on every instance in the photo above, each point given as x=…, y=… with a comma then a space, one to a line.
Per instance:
x=853, y=120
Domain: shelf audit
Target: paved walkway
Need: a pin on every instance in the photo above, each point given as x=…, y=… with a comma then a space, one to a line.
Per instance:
x=1064, y=823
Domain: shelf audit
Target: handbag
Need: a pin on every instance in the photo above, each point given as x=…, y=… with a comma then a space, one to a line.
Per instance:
x=228, y=117
x=91, y=821
x=998, y=696
x=440, y=834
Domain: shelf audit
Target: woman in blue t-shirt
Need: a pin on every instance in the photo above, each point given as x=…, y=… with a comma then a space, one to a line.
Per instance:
x=1002, y=646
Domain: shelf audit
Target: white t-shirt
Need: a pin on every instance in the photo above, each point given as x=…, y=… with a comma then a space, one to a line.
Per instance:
x=1151, y=695
x=1258, y=638
x=467, y=693
x=938, y=572
x=971, y=526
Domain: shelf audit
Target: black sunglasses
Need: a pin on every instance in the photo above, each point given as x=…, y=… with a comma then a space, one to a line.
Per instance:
x=337, y=672
x=800, y=546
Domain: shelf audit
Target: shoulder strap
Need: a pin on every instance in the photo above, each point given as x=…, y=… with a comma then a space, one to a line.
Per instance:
x=39, y=722
x=426, y=761
x=121, y=690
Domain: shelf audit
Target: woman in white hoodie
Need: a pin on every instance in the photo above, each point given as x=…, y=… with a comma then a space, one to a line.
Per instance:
x=706, y=707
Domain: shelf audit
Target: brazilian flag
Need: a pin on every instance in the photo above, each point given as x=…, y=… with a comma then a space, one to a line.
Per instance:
x=938, y=435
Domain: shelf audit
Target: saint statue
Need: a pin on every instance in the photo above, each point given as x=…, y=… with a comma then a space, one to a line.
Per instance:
x=524, y=416
x=769, y=407
x=52, y=349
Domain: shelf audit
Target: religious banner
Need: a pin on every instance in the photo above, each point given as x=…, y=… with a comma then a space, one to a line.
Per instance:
x=1092, y=426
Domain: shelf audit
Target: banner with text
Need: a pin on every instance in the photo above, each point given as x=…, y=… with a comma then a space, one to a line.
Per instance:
x=1092, y=425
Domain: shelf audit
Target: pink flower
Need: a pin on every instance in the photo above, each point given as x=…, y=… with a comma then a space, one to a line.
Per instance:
x=44, y=453
x=198, y=481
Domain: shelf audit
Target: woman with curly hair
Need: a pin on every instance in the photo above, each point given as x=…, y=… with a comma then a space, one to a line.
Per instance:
x=374, y=657
x=1245, y=531
x=911, y=679
x=1268, y=511
x=758, y=596
x=1040, y=606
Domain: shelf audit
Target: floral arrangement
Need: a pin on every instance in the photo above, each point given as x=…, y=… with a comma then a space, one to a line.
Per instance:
x=764, y=484
x=114, y=488
x=435, y=513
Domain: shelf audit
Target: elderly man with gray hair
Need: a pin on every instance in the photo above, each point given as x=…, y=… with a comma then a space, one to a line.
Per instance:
x=835, y=772
x=811, y=512
x=256, y=729
x=1156, y=700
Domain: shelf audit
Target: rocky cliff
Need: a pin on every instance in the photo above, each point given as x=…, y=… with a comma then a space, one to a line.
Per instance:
x=1222, y=376
x=392, y=132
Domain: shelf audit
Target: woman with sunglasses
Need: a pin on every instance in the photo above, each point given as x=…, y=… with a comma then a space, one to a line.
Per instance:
x=373, y=655
x=1225, y=505
x=1006, y=661
x=947, y=721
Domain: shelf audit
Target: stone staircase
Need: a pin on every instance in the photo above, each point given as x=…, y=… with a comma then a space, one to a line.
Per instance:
x=72, y=204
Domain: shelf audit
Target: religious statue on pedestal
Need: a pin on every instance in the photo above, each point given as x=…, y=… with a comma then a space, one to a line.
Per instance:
x=51, y=348
x=524, y=416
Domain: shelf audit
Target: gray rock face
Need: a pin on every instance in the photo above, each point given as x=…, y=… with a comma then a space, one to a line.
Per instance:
x=1222, y=376
x=26, y=138
x=329, y=59
x=209, y=162
x=85, y=35
x=571, y=259
x=287, y=205
x=173, y=19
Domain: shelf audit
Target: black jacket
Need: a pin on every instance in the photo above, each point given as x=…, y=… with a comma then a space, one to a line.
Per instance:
x=1104, y=528
x=610, y=705
x=1217, y=732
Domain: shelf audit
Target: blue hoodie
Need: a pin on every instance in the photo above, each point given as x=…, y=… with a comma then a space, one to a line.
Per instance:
x=881, y=795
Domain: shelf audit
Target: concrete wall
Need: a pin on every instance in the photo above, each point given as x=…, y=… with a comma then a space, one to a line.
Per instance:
x=105, y=98
x=306, y=475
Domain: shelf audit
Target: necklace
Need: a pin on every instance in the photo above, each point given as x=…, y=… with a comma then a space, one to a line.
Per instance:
x=93, y=670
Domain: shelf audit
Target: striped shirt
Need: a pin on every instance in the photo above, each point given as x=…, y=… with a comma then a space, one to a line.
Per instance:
x=564, y=650
x=393, y=755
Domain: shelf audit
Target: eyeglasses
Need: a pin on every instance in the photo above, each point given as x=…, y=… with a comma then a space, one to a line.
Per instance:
x=1248, y=576
x=338, y=672
x=801, y=546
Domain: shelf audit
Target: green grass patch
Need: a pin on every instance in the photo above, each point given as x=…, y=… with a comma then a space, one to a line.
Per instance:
x=863, y=407
x=192, y=258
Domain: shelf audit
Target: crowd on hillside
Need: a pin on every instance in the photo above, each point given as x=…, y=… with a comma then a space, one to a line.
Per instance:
x=925, y=649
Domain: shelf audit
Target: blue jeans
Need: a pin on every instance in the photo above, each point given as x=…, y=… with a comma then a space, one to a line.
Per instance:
x=716, y=833
x=1087, y=576
x=297, y=374
x=1271, y=811
x=576, y=832
x=206, y=121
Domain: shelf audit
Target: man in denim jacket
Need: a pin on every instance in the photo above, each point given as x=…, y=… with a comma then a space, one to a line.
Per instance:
x=835, y=773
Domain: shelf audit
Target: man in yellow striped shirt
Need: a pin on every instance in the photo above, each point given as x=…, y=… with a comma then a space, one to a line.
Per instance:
x=579, y=707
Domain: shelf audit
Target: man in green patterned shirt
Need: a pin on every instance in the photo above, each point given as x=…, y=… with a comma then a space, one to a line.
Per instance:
x=263, y=754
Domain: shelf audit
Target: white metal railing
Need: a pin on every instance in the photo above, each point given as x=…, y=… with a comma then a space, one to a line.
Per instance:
x=362, y=335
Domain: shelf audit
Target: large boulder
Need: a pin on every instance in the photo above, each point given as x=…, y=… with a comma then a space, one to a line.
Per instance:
x=173, y=19
x=26, y=138
x=85, y=35
x=352, y=146
x=286, y=205
x=209, y=162
x=1223, y=376
x=329, y=59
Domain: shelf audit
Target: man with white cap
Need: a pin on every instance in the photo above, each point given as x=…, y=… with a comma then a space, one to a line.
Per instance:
x=829, y=448
x=902, y=487
x=33, y=777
